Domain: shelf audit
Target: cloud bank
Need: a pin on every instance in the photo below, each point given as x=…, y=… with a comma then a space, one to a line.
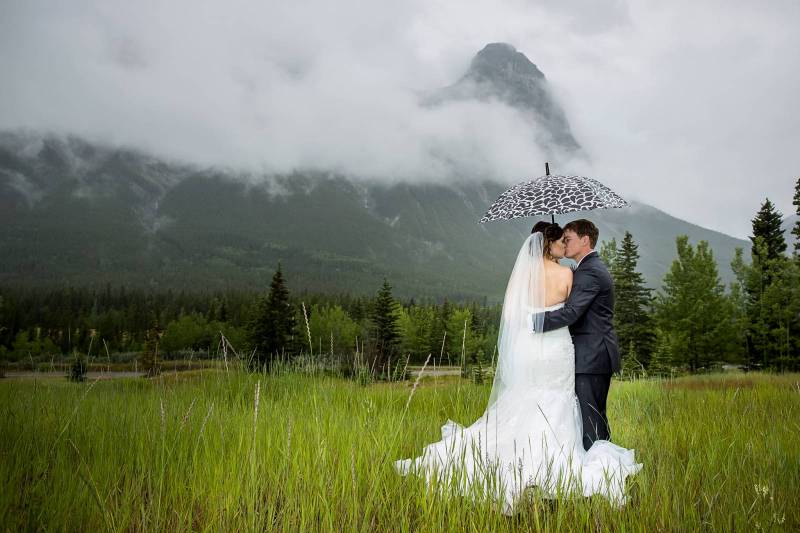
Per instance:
x=683, y=106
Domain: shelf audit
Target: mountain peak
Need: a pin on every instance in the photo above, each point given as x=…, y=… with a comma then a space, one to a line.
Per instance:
x=501, y=61
x=499, y=71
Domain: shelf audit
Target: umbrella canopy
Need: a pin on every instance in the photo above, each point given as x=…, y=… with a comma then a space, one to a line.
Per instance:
x=552, y=195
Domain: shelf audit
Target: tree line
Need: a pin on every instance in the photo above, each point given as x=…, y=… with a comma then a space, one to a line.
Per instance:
x=691, y=323
x=40, y=323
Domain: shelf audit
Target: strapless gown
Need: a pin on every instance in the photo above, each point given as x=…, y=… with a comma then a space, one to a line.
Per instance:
x=530, y=437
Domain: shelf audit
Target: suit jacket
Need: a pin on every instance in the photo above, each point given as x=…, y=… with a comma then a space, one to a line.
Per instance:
x=589, y=313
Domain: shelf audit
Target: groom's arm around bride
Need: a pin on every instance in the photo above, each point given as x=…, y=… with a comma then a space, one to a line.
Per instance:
x=589, y=309
x=589, y=313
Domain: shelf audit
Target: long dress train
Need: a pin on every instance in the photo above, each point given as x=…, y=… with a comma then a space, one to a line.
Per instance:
x=529, y=437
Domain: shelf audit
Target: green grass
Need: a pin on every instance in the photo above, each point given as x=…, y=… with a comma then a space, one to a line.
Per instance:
x=719, y=452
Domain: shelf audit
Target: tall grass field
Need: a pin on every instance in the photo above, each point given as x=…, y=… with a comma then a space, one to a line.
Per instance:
x=213, y=450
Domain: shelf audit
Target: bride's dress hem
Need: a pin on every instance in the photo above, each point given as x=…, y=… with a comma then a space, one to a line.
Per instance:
x=603, y=471
x=531, y=436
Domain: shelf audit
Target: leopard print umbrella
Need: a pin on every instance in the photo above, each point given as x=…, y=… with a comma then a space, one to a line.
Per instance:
x=552, y=195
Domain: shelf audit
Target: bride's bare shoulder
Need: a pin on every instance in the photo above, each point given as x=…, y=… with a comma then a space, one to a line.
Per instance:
x=559, y=271
x=563, y=271
x=566, y=272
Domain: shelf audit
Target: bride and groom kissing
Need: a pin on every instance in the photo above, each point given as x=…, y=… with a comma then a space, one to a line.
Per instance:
x=545, y=423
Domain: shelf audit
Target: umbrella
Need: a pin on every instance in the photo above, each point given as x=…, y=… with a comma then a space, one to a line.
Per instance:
x=552, y=195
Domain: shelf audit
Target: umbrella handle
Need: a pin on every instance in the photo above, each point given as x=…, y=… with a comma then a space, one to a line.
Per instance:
x=547, y=172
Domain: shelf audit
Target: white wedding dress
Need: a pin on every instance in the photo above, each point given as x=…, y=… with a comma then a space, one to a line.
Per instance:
x=531, y=432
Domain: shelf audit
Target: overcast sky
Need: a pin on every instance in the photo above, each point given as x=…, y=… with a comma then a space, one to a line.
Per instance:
x=687, y=105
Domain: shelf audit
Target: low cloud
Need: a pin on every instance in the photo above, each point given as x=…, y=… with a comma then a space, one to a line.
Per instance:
x=684, y=106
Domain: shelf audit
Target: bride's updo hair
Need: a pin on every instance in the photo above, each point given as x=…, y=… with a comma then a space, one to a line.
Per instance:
x=540, y=226
x=551, y=232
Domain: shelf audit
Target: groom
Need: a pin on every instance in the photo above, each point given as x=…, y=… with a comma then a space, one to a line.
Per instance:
x=589, y=313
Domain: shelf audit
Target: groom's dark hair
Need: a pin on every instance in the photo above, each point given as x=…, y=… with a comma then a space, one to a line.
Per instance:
x=584, y=228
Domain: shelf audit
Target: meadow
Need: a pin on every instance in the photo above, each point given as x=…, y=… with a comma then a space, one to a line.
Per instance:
x=216, y=450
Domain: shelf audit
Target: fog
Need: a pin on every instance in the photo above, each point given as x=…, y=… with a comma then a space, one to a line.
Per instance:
x=687, y=107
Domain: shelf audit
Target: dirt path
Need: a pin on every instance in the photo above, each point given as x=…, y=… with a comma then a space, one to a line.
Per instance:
x=56, y=375
x=431, y=371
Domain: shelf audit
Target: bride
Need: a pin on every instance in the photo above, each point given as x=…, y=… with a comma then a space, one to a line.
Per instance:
x=530, y=433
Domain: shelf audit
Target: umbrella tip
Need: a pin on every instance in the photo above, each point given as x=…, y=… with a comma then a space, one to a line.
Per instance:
x=547, y=168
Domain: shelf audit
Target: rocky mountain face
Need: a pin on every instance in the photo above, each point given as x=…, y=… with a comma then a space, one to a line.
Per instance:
x=74, y=212
x=502, y=73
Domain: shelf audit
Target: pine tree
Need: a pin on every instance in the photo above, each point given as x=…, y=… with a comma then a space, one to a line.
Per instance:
x=767, y=225
x=462, y=343
x=763, y=281
x=384, y=322
x=666, y=347
x=749, y=289
x=608, y=253
x=740, y=301
x=632, y=319
x=631, y=366
x=478, y=323
x=780, y=311
x=692, y=303
x=768, y=292
x=356, y=310
x=273, y=321
x=415, y=327
x=218, y=310
x=796, y=229
x=438, y=330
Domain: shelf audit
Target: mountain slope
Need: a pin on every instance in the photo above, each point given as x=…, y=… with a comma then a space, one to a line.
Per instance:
x=74, y=212
x=122, y=217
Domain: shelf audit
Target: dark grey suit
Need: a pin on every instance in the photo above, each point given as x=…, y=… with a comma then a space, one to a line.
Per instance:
x=589, y=313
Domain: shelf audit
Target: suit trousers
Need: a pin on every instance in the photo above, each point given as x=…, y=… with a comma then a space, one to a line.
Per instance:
x=592, y=391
